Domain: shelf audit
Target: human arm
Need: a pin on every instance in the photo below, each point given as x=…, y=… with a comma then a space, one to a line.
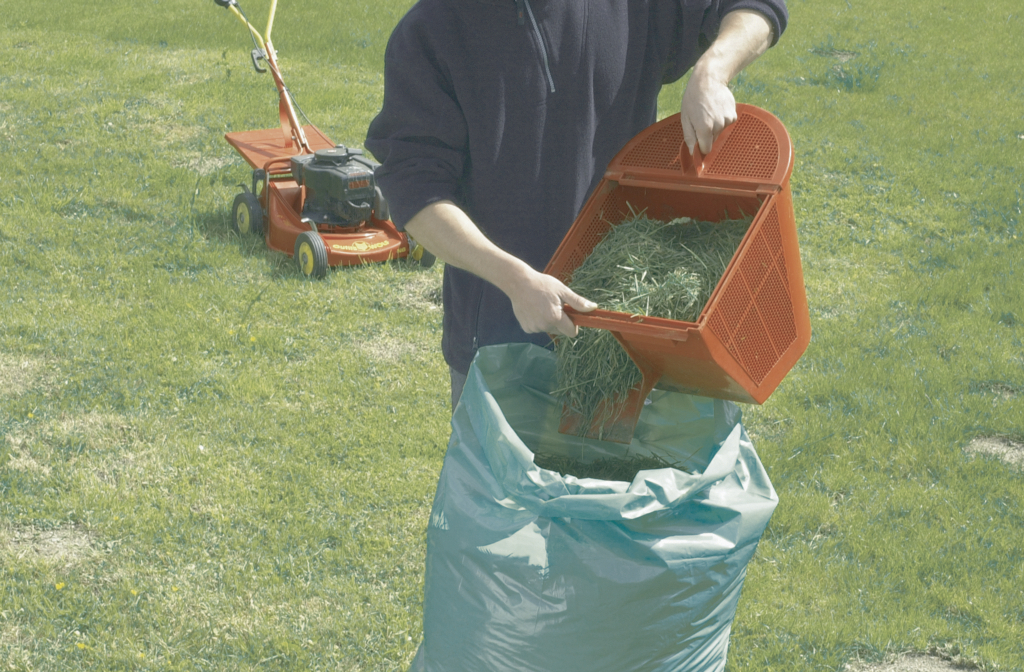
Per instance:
x=421, y=138
x=708, y=105
x=537, y=298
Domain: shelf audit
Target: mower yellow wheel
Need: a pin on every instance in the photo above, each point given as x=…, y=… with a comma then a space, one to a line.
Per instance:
x=247, y=215
x=311, y=255
x=419, y=254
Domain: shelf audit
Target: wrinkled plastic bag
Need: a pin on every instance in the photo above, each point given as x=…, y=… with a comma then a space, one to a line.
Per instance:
x=529, y=570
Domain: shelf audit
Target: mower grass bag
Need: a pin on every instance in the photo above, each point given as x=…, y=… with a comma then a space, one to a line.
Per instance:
x=531, y=570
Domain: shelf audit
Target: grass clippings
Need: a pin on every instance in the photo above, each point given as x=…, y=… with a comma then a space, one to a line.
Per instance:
x=647, y=267
x=388, y=349
x=946, y=657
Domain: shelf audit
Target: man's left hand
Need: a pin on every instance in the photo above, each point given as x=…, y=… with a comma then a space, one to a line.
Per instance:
x=708, y=105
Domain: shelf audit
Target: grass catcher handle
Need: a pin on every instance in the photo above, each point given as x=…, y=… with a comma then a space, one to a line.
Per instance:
x=691, y=164
x=651, y=327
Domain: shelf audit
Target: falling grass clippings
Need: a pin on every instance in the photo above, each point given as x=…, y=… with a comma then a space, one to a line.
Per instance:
x=646, y=267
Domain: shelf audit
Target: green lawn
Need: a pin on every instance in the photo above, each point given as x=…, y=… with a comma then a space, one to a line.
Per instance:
x=209, y=463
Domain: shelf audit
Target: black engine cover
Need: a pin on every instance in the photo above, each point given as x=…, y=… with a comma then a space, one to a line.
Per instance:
x=339, y=185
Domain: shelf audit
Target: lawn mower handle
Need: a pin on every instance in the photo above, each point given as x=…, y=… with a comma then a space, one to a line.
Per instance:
x=264, y=51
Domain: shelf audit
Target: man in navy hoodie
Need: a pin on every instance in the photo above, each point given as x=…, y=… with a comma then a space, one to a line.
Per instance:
x=500, y=117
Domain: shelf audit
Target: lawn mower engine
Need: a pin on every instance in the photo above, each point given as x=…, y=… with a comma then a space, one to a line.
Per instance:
x=340, y=189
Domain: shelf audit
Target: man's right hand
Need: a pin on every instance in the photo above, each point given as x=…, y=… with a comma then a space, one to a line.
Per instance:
x=537, y=298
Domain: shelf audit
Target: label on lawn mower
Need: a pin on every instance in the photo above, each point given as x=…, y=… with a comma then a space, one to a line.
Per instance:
x=361, y=246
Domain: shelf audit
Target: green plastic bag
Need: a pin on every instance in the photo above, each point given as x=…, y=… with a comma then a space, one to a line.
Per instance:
x=530, y=570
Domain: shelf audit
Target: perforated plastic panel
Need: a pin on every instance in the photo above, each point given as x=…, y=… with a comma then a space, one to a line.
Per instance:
x=753, y=151
x=750, y=151
x=757, y=305
x=659, y=150
x=610, y=211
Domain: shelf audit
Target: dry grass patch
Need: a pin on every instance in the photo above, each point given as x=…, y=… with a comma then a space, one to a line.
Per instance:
x=65, y=545
x=45, y=446
x=19, y=374
x=1006, y=449
x=15, y=642
x=91, y=432
x=21, y=458
x=389, y=349
x=169, y=134
x=97, y=427
x=1004, y=391
x=936, y=659
x=203, y=165
x=423, y=292
x=910, y=663
x=184, y=67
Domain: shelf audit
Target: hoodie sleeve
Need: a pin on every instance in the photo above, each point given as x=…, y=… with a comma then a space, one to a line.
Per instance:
x=420, y=135
x=699, y=28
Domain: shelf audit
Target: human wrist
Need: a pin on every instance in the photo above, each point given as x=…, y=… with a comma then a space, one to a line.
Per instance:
x=744, y=35
x=713, y=68
x=512, y=275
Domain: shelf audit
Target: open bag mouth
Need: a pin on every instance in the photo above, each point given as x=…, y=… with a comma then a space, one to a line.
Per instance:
x=508, y=405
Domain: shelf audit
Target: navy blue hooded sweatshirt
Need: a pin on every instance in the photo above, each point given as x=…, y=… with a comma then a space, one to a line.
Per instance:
x=512, y=109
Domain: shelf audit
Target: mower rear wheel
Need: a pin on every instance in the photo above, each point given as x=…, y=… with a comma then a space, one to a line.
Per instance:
x=247, y=214
x=420, y=254
x=311, y=255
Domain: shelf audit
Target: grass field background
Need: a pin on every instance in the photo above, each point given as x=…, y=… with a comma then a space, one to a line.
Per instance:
x=209, y=463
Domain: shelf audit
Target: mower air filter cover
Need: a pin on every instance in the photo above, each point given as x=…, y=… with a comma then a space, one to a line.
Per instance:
x=756, y=325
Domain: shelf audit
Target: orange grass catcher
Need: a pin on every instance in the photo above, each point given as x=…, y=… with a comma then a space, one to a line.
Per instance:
x=756, y=325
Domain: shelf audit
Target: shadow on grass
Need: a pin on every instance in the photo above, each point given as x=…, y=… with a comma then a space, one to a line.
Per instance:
x=215, y=225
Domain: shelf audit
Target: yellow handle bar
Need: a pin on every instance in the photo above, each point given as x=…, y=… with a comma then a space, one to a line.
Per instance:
x=270, y=19
x=255, y=33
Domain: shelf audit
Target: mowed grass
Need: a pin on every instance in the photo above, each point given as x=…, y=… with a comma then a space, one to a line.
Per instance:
x=208, y=463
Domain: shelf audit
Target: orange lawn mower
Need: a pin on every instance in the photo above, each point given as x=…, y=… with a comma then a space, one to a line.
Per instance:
x=310, y=198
